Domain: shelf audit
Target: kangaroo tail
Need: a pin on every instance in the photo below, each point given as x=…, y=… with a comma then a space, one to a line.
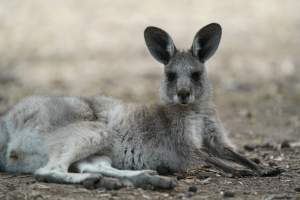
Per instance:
x=3, y=143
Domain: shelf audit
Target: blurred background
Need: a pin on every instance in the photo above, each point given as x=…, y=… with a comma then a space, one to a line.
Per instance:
x=75, y=47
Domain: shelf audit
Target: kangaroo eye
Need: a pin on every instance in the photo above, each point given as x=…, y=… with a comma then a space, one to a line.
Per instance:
x=196, y=76
x=171, y=76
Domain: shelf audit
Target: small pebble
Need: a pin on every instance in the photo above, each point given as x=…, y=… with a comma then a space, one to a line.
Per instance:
x=249, y=147
x=256, y=160
x=265, y=155
x=272, y=164
x=246, y=113
x=246, y=192
x=285, y=144
x=114, y=194
x=227, y=194
x=193, y=189
x=181, y=195
x=180, y=176
x=31, y=182
x=268, y=146
x=189, y=194
x=249, y=114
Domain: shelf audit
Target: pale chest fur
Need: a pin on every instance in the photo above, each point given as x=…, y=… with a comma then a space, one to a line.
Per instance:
x=195, y=129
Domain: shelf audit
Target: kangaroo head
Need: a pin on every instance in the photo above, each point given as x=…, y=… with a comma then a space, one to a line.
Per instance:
x=185, y=80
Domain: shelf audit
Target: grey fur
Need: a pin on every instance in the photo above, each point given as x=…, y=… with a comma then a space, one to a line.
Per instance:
x=73, y=139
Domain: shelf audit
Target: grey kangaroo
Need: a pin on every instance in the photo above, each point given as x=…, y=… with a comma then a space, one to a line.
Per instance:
x=101, y=140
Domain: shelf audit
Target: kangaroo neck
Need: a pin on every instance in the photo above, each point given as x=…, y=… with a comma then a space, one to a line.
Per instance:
x=196, y=107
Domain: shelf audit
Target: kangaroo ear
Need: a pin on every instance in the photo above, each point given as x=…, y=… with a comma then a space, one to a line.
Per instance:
x=206, y=41
x=160, y=44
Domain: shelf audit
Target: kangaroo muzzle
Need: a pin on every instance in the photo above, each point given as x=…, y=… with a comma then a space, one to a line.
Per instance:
x=184, y=96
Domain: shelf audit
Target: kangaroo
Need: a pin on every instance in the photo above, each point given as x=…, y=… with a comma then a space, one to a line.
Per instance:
x=104, y=141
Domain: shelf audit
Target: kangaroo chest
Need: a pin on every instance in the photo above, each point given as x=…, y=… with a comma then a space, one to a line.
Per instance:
x=156, y=146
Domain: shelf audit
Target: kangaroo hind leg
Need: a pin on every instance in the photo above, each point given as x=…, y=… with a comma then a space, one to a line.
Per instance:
x=69, y=144
x=139, y=178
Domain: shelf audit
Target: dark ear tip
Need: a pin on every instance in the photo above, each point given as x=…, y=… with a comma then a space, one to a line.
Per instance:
x=151, y=29
x=148, y=28
x=214, y=26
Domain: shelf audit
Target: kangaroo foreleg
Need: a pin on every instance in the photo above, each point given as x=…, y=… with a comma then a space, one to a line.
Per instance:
x=229, y=154
x=221, y=165
x=216, y=145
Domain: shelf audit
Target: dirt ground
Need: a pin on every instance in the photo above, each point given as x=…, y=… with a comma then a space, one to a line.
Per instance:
x=91, y=47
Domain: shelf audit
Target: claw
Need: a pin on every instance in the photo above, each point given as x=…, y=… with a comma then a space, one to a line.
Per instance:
x=246, y=173
x=265, y=172
x=240, y=174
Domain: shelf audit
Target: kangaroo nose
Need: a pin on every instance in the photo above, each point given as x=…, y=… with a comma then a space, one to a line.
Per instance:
x=183, y=94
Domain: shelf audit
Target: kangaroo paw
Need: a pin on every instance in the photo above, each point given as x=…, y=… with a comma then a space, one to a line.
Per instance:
x=239, y=174
x=92, y=183
x=105, y=182
x=162, y=182
x=267, y=171
x=244, y=173
x=147, y=180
